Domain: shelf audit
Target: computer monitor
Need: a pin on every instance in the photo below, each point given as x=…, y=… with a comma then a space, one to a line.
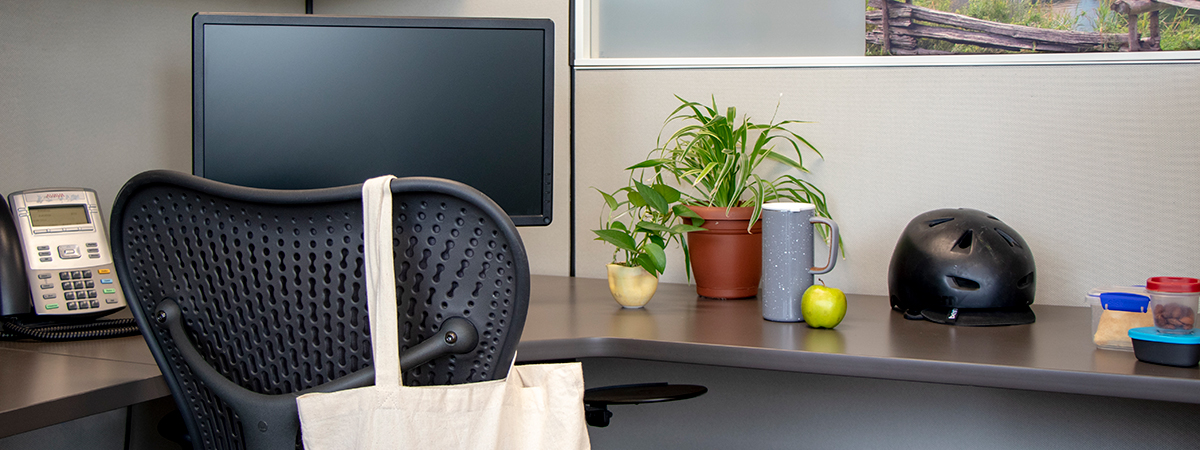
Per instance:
x=306, y=101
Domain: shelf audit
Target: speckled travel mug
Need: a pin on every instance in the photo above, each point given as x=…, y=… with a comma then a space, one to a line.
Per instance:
x=787, y=267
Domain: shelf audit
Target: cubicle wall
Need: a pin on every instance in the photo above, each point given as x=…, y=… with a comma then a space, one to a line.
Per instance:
x=92, y=93
x=1095, y=165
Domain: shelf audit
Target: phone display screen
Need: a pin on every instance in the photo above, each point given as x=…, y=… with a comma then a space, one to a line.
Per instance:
x=56, y=216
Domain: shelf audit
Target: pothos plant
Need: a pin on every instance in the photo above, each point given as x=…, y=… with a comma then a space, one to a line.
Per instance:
x=643, y=223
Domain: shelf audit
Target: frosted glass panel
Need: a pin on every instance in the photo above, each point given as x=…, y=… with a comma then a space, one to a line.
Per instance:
x=726, y=28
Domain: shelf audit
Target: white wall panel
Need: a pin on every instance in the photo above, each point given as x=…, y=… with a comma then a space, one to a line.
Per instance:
x=1094, y=165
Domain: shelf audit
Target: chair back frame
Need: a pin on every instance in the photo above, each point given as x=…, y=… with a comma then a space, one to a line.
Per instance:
x=249, y=297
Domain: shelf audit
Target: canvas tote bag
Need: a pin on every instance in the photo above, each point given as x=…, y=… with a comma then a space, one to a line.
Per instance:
x=536, y=407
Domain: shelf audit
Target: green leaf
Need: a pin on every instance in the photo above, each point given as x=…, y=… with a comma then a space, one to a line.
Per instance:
x=788, y=161
x=687, y=260
x=703, y=173
x=684, y=228
x=652, y=197
x=618, y=238
x=612, y=202
x=658, y=255
x=636, y=200
x=646, y=225
x=647, y=262
x=670, y=194
x=658, y=240
x=684, y=211
x=649, y=163
x=618, y=226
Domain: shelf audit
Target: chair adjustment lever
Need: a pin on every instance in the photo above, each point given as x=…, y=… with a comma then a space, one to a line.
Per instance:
x=456, y=336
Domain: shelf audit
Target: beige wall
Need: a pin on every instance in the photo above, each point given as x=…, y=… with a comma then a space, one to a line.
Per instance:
x=1097, y=175
x=1095, y=165
x=94, y=92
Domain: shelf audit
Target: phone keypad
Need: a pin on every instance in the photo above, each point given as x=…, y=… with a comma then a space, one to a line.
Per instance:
x=78, y=291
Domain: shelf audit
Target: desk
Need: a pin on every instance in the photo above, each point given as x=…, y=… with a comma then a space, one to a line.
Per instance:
x=575, y=318
x=876, y=381
x=43, y=384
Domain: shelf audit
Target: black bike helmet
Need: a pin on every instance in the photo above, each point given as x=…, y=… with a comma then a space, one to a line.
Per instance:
x=962, y=267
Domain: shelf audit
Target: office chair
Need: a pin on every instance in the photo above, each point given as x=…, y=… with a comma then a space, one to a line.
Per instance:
x=250, y=297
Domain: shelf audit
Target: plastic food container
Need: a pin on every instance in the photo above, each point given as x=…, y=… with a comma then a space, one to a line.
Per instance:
x=1153, y=346
x=1173, y=301
x=1115, y=310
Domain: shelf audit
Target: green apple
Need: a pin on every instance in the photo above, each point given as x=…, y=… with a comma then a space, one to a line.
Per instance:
x=823, y=306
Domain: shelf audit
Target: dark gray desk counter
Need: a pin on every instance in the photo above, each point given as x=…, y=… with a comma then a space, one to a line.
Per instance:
x=577, y=318
x=43, y=384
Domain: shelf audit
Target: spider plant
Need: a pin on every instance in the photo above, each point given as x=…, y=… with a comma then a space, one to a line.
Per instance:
x=713, y=157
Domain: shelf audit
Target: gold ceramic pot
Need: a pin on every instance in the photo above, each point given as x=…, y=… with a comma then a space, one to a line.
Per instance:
x=632, y=287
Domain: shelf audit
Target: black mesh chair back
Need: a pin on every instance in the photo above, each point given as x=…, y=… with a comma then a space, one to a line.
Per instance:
x=250, y=297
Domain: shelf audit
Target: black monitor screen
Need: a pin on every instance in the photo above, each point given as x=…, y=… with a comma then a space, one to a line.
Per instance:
x=296, y=102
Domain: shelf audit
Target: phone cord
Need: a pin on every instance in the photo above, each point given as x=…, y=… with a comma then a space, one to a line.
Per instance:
x=11, y=328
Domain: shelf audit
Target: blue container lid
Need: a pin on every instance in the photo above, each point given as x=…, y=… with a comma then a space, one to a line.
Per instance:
x=1151, y=334
x=1124, y=301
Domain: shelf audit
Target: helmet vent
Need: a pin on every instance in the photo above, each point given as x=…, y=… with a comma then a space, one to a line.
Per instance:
x=936, y=222
x=1011, y=242
x=993, y=217
x=963, y=245
x=1025, y=281
x=964, y=284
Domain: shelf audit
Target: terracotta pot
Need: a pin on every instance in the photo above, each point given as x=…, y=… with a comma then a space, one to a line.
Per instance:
x=726, y=259
x=632, y=287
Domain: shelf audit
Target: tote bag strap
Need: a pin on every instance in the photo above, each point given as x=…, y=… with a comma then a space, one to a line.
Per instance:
x=381, y=279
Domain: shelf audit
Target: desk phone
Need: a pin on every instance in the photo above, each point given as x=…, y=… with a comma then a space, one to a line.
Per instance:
x=68, y=262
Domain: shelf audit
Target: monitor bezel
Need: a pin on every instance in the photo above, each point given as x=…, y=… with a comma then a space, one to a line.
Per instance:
x=199, y=20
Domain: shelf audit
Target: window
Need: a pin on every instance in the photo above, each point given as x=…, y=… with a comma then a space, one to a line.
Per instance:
x=725, y=28
x=1003, y=26
x=802, y=33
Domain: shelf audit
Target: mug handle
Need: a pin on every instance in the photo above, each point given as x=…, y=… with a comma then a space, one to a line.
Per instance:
x=833, y=245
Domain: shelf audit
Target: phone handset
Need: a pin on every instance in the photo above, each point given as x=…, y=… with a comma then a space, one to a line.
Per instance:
x=14, y=288
x=56, y=269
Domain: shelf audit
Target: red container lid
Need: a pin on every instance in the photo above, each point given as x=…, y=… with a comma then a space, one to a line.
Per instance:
x=1173, y=284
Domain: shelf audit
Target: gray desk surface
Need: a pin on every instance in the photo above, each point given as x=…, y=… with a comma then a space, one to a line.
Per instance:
x=46, y=383
x=577, y=318
x=43, y=384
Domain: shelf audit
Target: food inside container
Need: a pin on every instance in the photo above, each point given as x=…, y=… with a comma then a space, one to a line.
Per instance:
x=1173, y=301
x=1115, y=310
